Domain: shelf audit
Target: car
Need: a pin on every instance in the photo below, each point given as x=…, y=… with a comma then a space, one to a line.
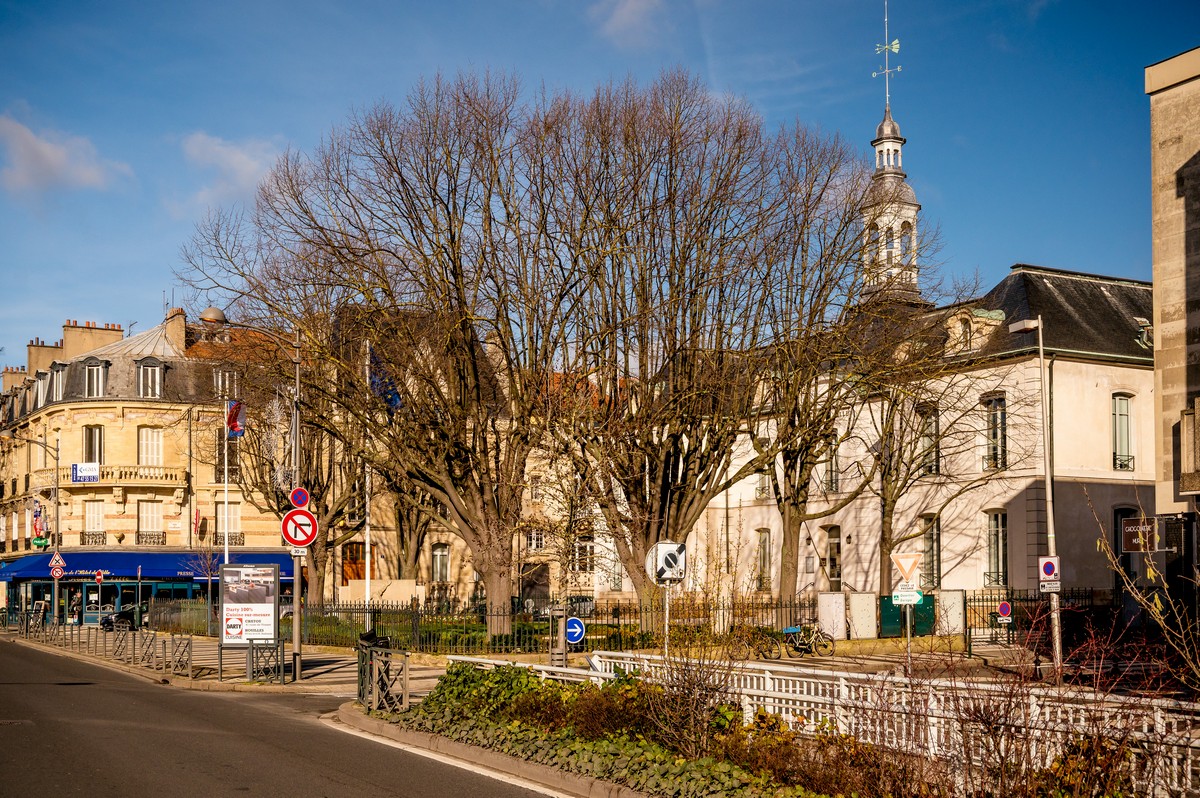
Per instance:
x=577, y=607
x=126, y=618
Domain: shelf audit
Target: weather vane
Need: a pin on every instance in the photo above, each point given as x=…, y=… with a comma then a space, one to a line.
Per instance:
x=886, y=48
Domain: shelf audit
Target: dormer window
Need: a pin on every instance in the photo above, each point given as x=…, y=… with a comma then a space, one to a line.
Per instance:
x=149, y=379
x=56, y=384
x=225, y=384
x=94, y=379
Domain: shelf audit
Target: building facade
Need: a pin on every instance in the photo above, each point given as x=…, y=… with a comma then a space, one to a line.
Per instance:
x=111, y=459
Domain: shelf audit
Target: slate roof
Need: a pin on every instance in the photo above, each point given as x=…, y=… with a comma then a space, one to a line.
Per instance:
x=151, y=343
x=1082, y=314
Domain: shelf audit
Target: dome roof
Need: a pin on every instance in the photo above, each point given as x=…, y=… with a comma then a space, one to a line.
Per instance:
x=892, y=188
x=888, y=129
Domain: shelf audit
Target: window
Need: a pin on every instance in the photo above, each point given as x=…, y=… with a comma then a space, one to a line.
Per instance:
x=535, y=489
x=535, y=539
x=223, y=446
x=56, y=384
x=149, y=378
x=833, y=556
x=441, y=563
x=585, y=555
x=996, y=452
x=1122, y=436
x=763, y=577
x=94, y=380
x=763, y=489
x=966, y=333
x=150, y=523
x=997, y=540
x=931, y=546
x=832, y=467
x=150, y=447
x=93, y=444
x=93, y=516
x=230, y=521
x=929, y=453
x=354, y=561
x=225, y=383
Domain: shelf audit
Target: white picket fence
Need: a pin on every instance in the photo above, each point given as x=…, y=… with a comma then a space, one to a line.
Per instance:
x=972, y=727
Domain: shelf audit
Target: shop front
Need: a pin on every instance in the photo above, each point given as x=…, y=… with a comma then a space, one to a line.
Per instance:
x=96, y=583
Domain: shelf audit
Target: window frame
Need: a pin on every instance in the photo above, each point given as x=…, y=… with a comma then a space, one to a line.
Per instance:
x=995, y=456
x=95, y=379
x=150, y=446
x=93, y=443
x=439, y=563
x=996, y=568
x=150, y=379
x=1122, y=438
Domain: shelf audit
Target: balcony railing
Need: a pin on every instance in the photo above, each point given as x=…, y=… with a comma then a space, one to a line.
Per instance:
x=1122, y=462
x=152, y=538
x=93, y=538
x=995, y=579
x=235, y=539
x=113, y=475
x=995, y=461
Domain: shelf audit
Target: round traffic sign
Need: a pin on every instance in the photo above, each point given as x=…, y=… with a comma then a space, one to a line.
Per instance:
x=299, y=527
x=1004, y=610
x=299, y=497
x=99, y=577
x=1048, y=567
x=56, y=572
x=575, y=630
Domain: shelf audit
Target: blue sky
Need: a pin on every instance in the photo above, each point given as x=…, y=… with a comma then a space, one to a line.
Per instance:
x=121, y=122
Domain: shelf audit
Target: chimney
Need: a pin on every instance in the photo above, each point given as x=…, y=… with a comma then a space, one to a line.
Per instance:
x=176, y=329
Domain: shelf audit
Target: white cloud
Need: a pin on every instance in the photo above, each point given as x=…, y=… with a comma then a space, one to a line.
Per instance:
x=628, y=23
x=238, y=167
x=37, y=163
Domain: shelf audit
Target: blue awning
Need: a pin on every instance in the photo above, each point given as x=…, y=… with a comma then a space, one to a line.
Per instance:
x=124, y=564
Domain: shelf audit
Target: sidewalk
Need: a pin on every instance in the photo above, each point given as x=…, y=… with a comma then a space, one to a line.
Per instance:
x=324, y=670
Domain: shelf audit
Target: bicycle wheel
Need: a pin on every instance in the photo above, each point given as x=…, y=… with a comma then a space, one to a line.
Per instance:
x=823, y=645
x=769, y=648
x=793, y=646
x=738, y=649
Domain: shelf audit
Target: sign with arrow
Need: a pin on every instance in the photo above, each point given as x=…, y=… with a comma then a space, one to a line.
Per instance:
x=908, y=590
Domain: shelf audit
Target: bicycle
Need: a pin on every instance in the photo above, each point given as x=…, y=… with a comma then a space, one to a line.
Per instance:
x=743, y=641
x=807, y=639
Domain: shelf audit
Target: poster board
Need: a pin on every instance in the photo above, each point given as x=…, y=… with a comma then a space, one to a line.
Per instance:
x=249, y=604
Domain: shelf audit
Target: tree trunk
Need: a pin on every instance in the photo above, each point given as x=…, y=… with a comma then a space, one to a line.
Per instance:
x=499, y=606
x=886, y=518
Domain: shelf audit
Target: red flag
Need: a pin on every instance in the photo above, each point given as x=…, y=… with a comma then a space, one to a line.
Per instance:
x=235, y=419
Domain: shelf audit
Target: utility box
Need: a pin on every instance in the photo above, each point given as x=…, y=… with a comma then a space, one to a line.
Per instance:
x=891, y=617
x=863, y=616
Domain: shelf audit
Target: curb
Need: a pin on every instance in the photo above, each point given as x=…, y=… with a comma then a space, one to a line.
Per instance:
x=351, y=714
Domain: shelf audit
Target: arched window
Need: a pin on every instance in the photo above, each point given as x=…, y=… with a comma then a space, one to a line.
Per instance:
x=996, y=574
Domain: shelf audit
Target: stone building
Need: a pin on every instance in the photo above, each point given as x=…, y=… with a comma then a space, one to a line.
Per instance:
x=110, y=456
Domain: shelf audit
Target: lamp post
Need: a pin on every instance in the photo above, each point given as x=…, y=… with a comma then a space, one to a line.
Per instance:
x=216, y=317
x=53, y=452
x=1029, y=325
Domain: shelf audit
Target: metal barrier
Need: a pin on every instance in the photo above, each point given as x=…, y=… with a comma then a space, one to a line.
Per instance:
x=382, y=678
x=265, y=661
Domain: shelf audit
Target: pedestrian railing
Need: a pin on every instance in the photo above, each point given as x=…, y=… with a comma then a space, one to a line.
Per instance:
x=383, y=676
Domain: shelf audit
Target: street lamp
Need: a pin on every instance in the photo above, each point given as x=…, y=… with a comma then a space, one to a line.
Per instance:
x=1023, y=326
x=216, y=317
x=53, y=452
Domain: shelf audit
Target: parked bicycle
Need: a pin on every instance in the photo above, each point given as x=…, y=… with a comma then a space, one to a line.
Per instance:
x=745, y=641
x=807, y=638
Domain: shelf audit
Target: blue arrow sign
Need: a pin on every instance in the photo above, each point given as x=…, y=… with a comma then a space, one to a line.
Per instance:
x=575, y=630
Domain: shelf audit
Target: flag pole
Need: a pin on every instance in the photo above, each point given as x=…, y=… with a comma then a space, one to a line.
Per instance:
x=225, y=470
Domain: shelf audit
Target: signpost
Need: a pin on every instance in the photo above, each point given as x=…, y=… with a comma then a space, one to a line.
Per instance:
x=576, y=629
x=299, y=527
x=56, y=572
x=1004, y=612
x=907, y=593
x=1048, y=575
x=666, y=564
x=99, y=577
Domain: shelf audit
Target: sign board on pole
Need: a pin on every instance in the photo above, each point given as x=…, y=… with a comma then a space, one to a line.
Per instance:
x=666, y=563
x=1049, y=578
x=299, y=527
x=575, y=630
x=56, y=572
x=57, y=560
x=299, y=497
x=908, y=590
x=906, y=593
x=85, y=472
x=1004, y=612
x=99, y=577
x=249, y=603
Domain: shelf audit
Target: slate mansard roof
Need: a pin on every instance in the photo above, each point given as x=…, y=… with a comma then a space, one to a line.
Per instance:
x=1082, y=314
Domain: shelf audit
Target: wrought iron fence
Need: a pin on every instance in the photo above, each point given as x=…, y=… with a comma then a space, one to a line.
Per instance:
x=444, y=628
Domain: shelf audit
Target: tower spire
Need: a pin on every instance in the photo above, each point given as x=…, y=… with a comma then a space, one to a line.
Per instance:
x=890, y=225
x=888, y=47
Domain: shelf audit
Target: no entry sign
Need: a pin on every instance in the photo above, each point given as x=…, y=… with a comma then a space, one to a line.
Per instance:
x=299, y=527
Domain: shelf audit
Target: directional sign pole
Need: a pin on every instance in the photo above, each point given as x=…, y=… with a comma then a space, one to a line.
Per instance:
x=667, y=621
x=908, y=643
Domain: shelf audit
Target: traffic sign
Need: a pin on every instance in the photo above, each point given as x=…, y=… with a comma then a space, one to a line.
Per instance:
x=299, y=497
x=906, y=593
x=299, y=527
x=1004, y=612
x=575, y=630
x=1048, y=586
x=1048, y=569
x=908, y=564
x=99, y=577
x=56, y=572
x=299, y=551
x=58, y=560
x=667, y=562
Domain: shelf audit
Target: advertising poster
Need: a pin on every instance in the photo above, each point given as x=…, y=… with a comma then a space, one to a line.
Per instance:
x=249, y=603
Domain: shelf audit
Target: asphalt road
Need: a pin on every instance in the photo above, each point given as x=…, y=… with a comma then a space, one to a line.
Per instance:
x=70, y=727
